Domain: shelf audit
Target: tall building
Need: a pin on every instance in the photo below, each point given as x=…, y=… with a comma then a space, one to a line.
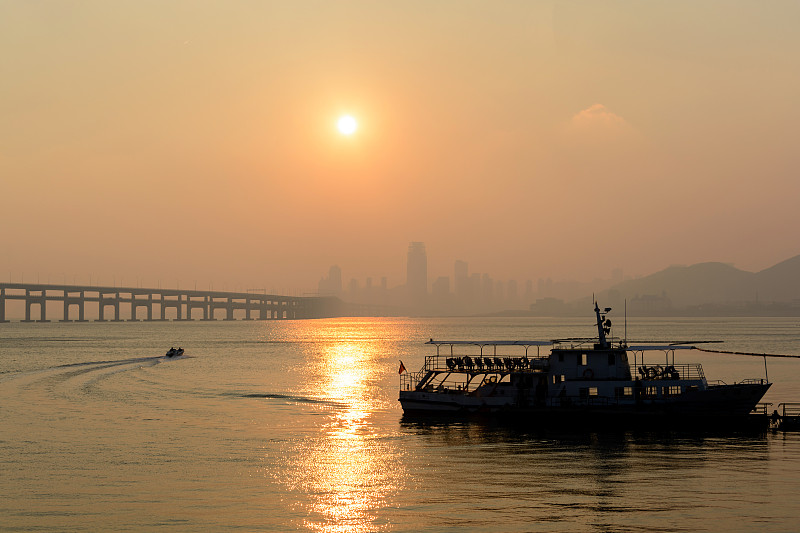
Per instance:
x=332, y=285
x=462, y=280
x=440, y=289
x=417, y=272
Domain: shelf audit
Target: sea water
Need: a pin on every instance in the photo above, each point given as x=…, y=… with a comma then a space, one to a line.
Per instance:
x=295, y=425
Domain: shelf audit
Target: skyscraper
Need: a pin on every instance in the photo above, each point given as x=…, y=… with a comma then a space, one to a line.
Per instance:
x=332, y=285
x=417, y=272
x=462, y=280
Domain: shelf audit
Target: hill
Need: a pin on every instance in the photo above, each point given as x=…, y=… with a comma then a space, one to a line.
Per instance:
x=716, y=286
x=781, y=282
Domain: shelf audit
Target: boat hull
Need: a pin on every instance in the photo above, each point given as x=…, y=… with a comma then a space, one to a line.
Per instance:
x=715, y=406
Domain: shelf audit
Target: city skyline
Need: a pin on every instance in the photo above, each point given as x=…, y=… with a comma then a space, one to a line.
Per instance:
x=460, y=292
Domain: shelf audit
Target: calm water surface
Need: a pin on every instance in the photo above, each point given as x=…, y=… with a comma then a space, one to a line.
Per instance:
x=279, y=426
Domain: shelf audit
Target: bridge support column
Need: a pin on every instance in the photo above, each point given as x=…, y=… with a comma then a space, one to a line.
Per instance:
x=82, y=308
x=3, y=305
x=208, y=310
x=112, y=301
x=31, y=300
x=70, y=299
x=117, y=317
x=66, y=309
x=43, y=309
x=27, y=306
x=179, y=308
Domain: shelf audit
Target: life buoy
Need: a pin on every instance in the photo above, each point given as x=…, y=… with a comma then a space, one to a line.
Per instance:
x=588, y=374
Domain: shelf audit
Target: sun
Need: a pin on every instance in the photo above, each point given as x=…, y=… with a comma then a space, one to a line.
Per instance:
x=347, y=125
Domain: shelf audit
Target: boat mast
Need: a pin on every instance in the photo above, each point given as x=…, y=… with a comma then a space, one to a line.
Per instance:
x=601, y=326
x=626, y=321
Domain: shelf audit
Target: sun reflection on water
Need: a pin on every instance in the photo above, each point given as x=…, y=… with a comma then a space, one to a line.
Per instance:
x=349, y=471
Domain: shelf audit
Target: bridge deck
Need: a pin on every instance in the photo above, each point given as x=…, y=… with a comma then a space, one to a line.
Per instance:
x=157, y=302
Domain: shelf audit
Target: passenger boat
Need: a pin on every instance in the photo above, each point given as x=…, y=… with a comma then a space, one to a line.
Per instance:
x=588, y=379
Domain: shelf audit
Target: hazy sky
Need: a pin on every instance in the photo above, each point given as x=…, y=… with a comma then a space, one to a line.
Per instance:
x=196, y=141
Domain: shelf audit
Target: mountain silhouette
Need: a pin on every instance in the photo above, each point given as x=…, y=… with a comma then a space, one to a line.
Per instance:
x=711, y=283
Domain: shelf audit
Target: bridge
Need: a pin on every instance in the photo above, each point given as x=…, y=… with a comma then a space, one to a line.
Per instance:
x=117, y=304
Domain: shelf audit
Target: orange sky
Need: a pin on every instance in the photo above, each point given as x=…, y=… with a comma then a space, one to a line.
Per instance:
x=195, y=142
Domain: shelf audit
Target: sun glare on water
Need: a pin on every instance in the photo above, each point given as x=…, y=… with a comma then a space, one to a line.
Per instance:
x=347, y=125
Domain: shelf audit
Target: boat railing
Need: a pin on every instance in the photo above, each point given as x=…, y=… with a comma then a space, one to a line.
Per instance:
x=409, y=380
x=752, y=381
x=473, y=365
x=584, y=342
x=749, y=381
x=762, y=408
x=789, y=409
x=485, y=364
x=673, y=372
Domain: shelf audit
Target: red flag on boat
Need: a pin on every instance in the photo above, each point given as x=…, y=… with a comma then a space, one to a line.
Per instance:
x=402, y=368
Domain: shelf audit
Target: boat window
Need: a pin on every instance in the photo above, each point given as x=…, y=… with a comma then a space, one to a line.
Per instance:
x=620, y=392
x=612, y=360
x=583, y=392
x=583, y=360
x=592, y=391
x=675, y=390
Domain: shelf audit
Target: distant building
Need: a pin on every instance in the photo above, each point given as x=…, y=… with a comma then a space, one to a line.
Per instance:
x=511, y=292
x=332, y=285
x=475, y=286
x=441, y=288
x=548, y=307
x=499, y=292
x=487, y=289
x=461, y=277
x=352, y=288
x=417, y=272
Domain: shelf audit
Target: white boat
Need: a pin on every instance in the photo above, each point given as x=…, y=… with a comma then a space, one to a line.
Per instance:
x=588, y=379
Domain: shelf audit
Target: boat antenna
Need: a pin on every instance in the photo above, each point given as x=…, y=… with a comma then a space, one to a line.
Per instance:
x=603, y=325
x=626, y=321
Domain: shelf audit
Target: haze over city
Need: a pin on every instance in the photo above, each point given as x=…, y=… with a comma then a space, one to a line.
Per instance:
x=201, y=143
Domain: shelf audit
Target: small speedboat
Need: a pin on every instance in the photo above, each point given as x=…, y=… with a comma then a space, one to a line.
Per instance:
x=172, y=352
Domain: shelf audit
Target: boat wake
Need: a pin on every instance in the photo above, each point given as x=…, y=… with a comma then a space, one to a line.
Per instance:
x=72, y=378
x=77, y=369
x=292, y=399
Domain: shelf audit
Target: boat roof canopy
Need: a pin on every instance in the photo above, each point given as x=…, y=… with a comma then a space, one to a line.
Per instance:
x=491, y=343
x=659, y=347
